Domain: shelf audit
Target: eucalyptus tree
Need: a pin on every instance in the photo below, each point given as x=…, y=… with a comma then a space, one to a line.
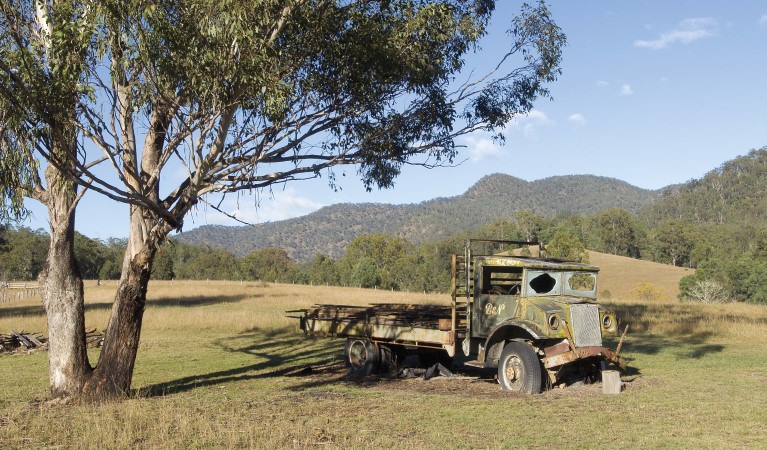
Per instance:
x=46, y=49
x=246, y=95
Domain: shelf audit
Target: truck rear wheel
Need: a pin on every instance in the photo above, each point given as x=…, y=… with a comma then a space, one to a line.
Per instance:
x=361, y=357
x=519, y=368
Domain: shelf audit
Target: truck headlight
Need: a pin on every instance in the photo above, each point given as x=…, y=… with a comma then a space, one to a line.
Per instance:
x=553, y=321
x=607, y=321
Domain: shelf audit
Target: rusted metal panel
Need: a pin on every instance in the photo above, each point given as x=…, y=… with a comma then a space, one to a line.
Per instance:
x=415, y=325
x=562, y=353
x=531, y=263
x=376, y=331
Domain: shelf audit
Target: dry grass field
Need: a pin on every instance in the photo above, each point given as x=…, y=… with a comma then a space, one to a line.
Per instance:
x=620, y=275
x=220, y=366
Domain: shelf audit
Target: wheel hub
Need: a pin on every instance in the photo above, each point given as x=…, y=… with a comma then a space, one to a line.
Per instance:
x=513, y=370
x=358, y=354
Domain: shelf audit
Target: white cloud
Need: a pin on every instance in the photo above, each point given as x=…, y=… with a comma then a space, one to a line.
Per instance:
x=763, y=21
x=529, y=123
x=602, y=83
x=626, y=90
x=686, y=32
x=577, y=119
x=284, y=204
x=480, y=148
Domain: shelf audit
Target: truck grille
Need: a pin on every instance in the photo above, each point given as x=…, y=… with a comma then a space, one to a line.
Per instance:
x=586, y=327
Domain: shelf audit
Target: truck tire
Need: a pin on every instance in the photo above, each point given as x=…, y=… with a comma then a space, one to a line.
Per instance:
x=519, y=368
x=362, y=357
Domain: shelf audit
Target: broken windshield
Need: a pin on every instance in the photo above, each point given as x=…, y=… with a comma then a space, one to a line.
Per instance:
x=581, y=284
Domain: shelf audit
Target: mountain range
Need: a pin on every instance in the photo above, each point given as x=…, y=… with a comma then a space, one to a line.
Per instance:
x=494, y=197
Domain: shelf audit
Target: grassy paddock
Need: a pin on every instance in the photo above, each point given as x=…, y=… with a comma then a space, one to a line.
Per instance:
x=220, y=366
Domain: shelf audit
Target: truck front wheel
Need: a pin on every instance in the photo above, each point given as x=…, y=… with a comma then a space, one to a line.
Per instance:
x=519, y=368
x=361, y=357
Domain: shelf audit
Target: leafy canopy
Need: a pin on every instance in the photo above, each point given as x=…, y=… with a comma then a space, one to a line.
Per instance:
x=245, y=95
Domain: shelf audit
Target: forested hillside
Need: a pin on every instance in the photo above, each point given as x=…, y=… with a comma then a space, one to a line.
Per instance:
x=733, y=193
x=494, y=197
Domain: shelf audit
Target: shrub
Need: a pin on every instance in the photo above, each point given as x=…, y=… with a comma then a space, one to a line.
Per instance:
x=706, y=291
x=646, y=291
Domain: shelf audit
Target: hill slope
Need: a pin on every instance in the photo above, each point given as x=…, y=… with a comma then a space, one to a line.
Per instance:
x=735, y=192
x=620, y=275
x=493, y=197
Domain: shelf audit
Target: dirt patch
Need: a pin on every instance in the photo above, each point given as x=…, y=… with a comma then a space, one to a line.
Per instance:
x=466, y=383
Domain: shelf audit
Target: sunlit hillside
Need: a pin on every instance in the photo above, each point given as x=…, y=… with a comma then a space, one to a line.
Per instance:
x=621, y=275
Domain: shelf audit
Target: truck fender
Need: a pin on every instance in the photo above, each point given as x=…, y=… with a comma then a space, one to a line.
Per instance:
x=513, y=329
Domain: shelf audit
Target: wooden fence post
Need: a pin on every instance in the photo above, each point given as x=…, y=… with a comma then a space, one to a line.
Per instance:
x=611, y=382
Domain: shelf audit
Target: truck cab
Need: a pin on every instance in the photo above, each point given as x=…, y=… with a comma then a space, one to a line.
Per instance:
x=534, y=318
x=539, y=292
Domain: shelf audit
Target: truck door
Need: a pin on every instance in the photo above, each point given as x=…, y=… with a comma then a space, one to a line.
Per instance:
x=497, y=290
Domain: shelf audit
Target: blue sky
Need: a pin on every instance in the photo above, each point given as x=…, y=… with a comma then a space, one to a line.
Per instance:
x=653, y=93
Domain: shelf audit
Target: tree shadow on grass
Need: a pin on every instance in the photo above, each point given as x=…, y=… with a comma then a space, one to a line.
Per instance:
x=284, y=352
x=162, y=302
x=273, y=348
x=679, y=328
x=694, y=346
x=200, y=300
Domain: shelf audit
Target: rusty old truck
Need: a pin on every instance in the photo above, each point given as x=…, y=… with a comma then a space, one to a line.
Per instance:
x=535, y=319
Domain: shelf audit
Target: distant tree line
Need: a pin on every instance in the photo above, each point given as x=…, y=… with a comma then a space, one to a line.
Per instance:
x=731, y=259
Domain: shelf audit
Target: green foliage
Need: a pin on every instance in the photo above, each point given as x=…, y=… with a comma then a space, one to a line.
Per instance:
x=22, y=253
x=322, y=270
x=43, y=68
x=731, y=193
x=529, y=224
x=675, y=242
x=567, y=246
x=365, y=274
x=269, y=264
x=196, y=262
x=390, y=255
x=741, y=279
x=162, y=267
x=372, y=82
x=90, y=255
x=615, y=232
x=16, y=171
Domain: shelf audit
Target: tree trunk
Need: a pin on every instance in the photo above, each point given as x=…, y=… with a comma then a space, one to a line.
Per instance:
x=111, y=379
x=62, y=292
